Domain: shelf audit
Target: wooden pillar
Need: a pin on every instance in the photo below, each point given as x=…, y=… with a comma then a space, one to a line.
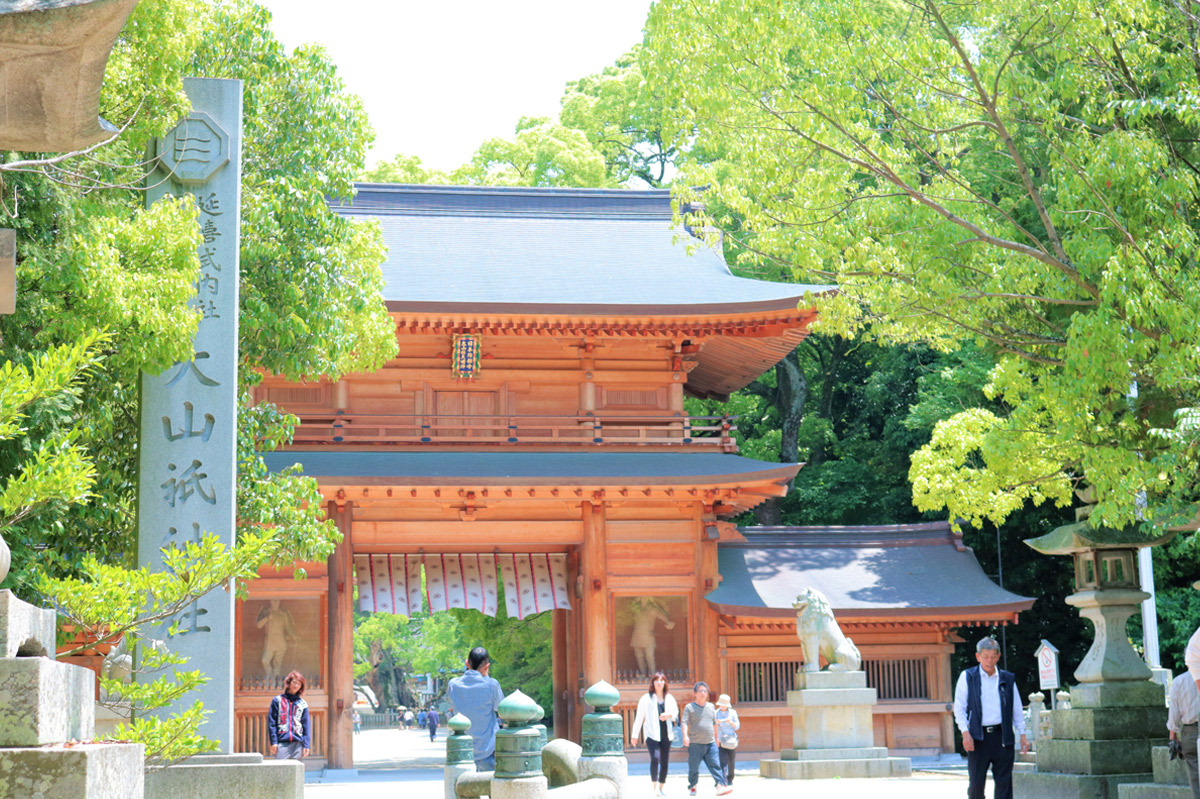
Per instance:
x=574, y=668
x=558, y=633
x=340, y=749
x=707, y=638
x=596, y=625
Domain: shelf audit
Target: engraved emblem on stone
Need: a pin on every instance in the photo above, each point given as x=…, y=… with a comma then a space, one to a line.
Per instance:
x=195, y=149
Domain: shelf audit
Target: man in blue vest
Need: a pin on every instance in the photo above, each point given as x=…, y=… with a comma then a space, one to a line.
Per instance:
x=987, y=709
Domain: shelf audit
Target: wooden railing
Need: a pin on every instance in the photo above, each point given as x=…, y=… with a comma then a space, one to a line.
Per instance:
x=709, y=432
x=769, y=681
x=250, y=732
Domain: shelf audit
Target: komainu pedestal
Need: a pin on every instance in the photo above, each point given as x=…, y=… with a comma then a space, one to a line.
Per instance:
x=833, y=734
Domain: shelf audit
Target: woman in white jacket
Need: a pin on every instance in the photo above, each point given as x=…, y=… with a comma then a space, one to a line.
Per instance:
x=657, y=713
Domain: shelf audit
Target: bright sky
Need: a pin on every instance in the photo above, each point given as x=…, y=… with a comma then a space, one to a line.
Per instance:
x=439, y=78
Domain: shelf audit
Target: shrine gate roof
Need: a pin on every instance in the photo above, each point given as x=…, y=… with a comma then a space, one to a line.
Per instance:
x=591, y=469
x=529, y=468
x=913, y=571
x=537, y=250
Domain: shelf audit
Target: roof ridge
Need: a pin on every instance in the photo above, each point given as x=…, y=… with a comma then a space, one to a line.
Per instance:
x=407, y=199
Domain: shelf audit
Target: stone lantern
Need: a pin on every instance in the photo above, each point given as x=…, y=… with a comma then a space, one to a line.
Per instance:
x=1107, y=593
x=1116, y=714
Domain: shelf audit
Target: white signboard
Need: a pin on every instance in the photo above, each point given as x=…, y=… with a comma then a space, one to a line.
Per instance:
x=1047, y=665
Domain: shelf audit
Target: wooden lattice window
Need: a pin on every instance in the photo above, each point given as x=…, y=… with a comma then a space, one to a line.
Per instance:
x=289, y=397
x=632, y=398
x=898, y=679
x=765, y=681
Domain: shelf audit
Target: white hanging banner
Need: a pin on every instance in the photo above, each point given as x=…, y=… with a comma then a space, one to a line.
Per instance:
x=435, y=584
x=534, y=583
x=389, y=583
x=362, y=572
x=479, y=582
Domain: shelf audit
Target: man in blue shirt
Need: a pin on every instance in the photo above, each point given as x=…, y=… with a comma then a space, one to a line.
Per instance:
x=476, y=696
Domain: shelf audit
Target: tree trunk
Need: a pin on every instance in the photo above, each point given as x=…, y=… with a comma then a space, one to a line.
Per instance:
x=790, y=394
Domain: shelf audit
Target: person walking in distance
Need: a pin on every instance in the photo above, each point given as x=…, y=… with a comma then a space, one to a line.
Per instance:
x=987, y=709
x=699, y=736
x=476, y=696
x=431, y=720
x=288, y=725
x=1184, y=702
x=654, y=722
x=727, y=726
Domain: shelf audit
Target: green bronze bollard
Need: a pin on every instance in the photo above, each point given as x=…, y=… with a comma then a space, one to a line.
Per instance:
x=460, y=747
x=604, y=740
x=541, y=728
x=603, y=731
x=518, y=746
x=460, y=755
x=518, y=752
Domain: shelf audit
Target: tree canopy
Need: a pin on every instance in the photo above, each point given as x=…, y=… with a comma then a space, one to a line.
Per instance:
x=1018, y=175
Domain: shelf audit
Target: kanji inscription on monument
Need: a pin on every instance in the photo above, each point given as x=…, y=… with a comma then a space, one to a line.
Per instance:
x=188, y=442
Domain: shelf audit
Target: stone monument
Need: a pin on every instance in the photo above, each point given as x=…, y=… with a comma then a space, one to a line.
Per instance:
x=833, y=730
x=47, y=704
x=1116, y=714
x=187, y=453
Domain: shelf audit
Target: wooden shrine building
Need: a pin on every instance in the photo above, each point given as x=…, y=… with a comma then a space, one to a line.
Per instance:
x=531, y=433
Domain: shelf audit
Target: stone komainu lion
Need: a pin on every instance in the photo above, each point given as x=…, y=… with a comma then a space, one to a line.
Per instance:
x=820, y=635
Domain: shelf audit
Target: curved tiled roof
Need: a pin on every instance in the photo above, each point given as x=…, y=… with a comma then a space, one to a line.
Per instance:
x=522, y=250
x=918, y=571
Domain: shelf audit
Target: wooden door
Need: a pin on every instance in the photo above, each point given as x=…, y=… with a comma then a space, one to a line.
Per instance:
x=466, y=414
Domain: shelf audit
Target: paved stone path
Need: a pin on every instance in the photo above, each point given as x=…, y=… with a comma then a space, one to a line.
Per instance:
x=403, y=764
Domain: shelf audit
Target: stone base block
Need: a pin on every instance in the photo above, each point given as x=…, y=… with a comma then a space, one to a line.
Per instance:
x=832, y=697
x=832, y=769
x=25, y=630
x=1166, y=770
x=1141, y=693
x=1106, y=723
x=1045, y=785
x=244, y=776
x=520, y=788
x=1121, y=756
x=83, y=771
x=1153, y=790
x=807, y=680
x=855, y=753
x=833, y=726
x=45, y=702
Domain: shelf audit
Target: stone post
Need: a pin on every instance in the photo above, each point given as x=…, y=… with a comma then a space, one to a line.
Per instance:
x=604, y=739
x=460, y=753
x=1036, y=711
x=518, y=752
x=187, y=443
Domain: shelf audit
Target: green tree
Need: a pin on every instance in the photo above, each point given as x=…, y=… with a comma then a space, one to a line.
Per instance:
x=96, y=266
x=542, y=153
x=1012, y=174
x=621, y=117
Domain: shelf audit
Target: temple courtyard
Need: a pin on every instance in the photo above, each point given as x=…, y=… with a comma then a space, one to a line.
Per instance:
x=404, y=763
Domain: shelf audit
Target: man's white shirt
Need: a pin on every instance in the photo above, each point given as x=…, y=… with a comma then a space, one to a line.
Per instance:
x=1191, y=655
x=989, y=698
x=1184, y=700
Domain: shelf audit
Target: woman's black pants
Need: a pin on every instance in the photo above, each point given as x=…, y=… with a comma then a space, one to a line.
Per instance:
x=660, y=753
